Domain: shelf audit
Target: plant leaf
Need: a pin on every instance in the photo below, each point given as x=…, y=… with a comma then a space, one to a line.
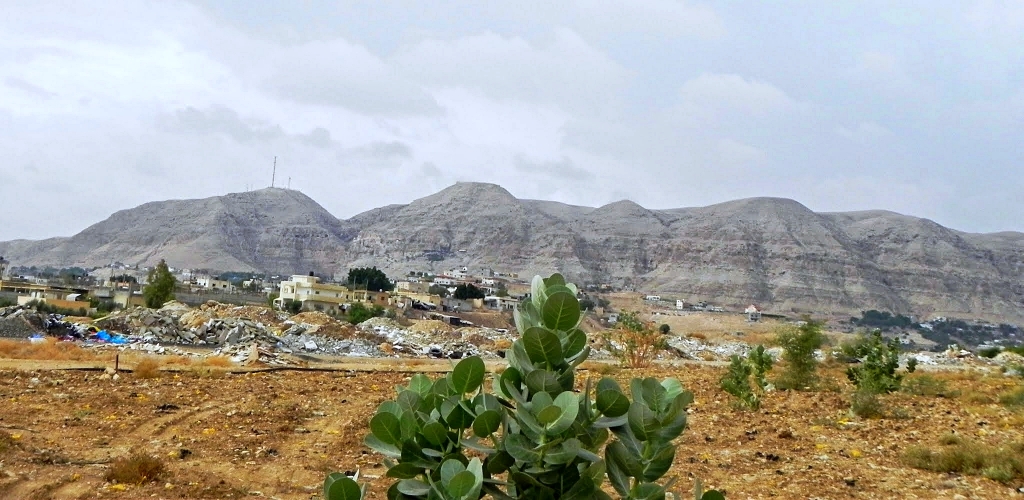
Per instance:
x=612, y=403
x=404, y=471
x=387, y=428
x=543, y=381
x=461, y=484
x=642, y=421
x=543, y=346
x=468, y=374
x=561, y=311
x=413, y=487
x=486, y=423
x=338, y=486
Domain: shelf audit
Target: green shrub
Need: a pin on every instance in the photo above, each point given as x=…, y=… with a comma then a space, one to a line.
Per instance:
x=664, y=329
x=745, y=379
x=358, y=312
x=877, y=371
x=532, y=436
x=989, y=352
x=865, y=404
x=800, y=371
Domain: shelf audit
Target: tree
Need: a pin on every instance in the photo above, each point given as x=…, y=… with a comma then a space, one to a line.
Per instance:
x=468, y=291
x=799, y=345
x=439, y=290
x=369, y=278
x=358, y=312
x=159, y=286
x=664, y=328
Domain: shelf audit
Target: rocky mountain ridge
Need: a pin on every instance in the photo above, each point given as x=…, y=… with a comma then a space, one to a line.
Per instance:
x=772, y=252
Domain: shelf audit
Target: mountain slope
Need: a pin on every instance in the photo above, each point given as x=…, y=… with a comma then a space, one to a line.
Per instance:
x=770, y=251
x=268, y=229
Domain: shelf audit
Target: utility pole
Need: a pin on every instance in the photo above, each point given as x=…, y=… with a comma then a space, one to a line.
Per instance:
x=289, y=183
x=273, y=177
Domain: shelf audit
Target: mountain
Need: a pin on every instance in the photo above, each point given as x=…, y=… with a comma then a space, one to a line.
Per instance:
x=773, y=252
x=257, y=230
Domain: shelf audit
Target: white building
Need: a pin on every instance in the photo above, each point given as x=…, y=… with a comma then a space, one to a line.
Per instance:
x=215, y=284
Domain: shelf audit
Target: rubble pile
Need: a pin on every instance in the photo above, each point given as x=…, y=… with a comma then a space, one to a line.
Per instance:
x=689, y=348
x=437, y=342
x=194, y=318
x=323, y=325
x=15, y=327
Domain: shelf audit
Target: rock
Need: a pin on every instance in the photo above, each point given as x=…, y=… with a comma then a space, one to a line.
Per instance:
x=309, y=345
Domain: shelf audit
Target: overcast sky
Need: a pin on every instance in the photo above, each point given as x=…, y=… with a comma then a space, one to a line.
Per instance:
x=916, y=107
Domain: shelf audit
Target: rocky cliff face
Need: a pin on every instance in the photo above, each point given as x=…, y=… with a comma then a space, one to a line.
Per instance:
x=773, y=252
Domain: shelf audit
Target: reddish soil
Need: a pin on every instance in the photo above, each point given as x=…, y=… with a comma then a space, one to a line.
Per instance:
x=278, y=434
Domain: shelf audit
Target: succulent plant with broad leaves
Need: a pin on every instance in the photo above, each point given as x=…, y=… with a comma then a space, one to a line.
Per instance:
x=532, y=436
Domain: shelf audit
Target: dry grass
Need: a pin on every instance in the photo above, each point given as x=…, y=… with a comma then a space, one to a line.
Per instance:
x=48, y=349
x=147, y=368
x=218, y=361
x=1014, y=398
x=928, y=385
x=977, y=397
x=6, y=442
x=999, y=463
x=139, y=468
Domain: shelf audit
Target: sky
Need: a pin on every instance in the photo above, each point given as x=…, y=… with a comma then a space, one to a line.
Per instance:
x=913, y=106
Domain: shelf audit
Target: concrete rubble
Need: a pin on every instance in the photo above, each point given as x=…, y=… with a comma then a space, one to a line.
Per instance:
x=251, y=334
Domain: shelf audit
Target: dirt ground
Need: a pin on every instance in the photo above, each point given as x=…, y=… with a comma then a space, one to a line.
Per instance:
x=277, y=434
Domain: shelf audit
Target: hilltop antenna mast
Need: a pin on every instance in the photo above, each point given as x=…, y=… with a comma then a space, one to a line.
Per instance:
x=289, y=183
x=273, y=176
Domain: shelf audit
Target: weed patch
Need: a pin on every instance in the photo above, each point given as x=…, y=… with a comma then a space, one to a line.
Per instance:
x=1014, y=399
x=998, y=463
x=147, y=368
x=927, y=385
x=139, y=468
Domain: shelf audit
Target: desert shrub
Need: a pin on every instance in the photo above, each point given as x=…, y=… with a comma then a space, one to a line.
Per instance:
x=451, y=438
x=911, y=364
x=799, y=344
x=147, y=368
x=664, y=329
x=866, y=404
x=999, y=463
x=1013, y=399
x=927, y=385
x=634, y=342
x=989, y=352
x=877, y=371
x=139, y=468
x=746, y=378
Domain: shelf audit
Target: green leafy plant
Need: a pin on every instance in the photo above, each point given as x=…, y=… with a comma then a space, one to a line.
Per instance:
x=746, y=378
x=532, y=436
x=799, y=345
x=876, y=372
x=634, y=342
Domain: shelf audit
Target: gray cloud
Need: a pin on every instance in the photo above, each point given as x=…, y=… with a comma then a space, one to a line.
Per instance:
x=219, y=120
x=22, y=85
x=564, y=169
x=697, y=101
